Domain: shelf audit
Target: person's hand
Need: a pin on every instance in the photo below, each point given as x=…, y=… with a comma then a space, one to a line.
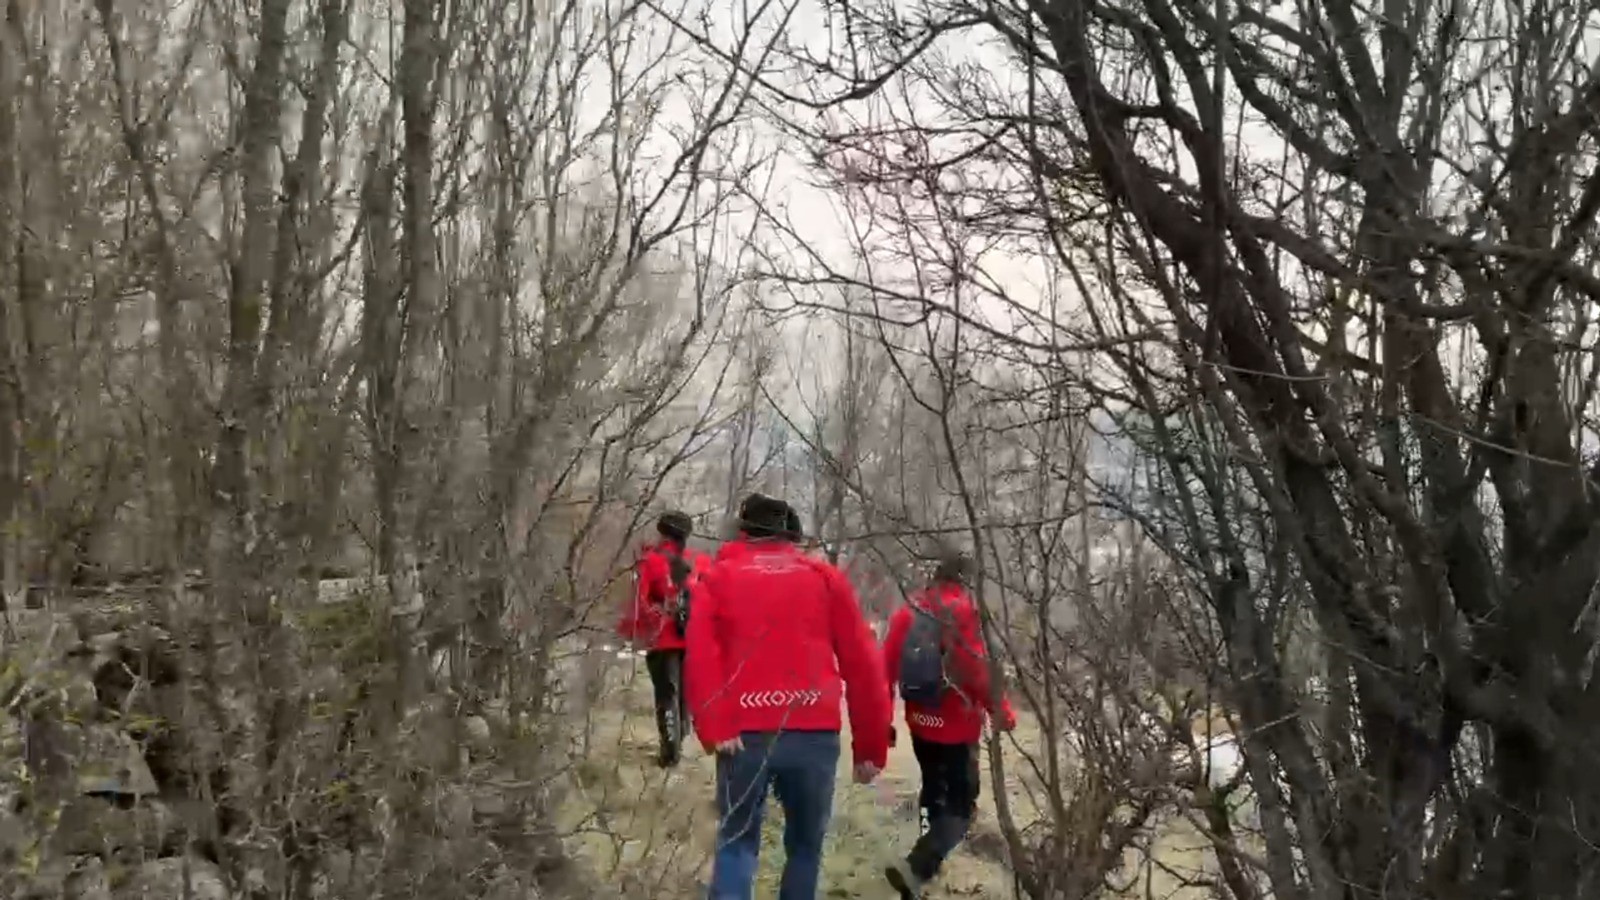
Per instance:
x=893, y=736
x=866, y=772
x=730, y=746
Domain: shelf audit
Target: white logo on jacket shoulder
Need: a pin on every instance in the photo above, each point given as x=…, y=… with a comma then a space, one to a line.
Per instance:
x=769, y=699
x=771, y=565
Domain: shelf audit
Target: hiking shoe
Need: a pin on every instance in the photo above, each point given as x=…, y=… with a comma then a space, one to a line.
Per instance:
x=668, y=758
x=902, y=879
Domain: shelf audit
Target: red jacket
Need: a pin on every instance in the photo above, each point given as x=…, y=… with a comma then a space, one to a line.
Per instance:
x=959, y=716
x=739, y=546
x=648, y=619
x=776, y=641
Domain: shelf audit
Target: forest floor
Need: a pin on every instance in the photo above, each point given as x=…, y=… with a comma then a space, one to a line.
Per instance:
x=651, y=832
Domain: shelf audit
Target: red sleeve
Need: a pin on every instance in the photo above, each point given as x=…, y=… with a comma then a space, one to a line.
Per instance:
x=652, y=588
x=705, y=672
x=861, y=666
x=893, y=644
x=628, y=624
x=656, y=586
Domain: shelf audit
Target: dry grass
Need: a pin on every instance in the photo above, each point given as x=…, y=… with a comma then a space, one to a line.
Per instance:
x=651, y=833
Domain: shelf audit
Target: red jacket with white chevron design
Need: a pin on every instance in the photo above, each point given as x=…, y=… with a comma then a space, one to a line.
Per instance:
x=959, y=716
x=776, y=642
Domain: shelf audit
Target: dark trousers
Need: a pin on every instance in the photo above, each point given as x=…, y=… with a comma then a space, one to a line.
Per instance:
x=949, y=800
x=666, y=679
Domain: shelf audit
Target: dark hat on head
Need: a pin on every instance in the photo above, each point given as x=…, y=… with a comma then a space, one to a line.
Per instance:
x=952, y=567
x=762, y=516
x=675, y=525
x=792, y=528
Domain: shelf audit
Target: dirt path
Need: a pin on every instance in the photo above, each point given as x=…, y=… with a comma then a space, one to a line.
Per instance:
x=651, y=833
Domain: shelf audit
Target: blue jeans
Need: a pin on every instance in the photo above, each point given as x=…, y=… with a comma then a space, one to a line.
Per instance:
x=799, y=767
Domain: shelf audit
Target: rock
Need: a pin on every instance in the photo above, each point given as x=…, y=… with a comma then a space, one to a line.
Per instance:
x=13, y=834
x=337, y=871
x=104, y=646
x=343, y=873
x=489, y=801
x=63, y=878
x=477, y=728
x=48, y=750
x=478, y=743
x=255, y=881
x=507, y=883
x=88, y=881
x=116, y=768
x=93, y=827
x=47, y=880
x=163, y=879
x=455, y=813
x=131, y=660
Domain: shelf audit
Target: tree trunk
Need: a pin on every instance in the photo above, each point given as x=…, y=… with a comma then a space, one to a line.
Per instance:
x=13, y=348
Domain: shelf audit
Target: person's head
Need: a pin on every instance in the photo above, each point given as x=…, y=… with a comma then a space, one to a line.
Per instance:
x=761, y=516
x=675, y=526
x=952, y=567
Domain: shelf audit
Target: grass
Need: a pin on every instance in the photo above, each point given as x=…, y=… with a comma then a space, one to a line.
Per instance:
x=651, y=833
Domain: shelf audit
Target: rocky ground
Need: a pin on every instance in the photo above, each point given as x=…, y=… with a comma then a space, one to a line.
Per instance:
x=94, y=763
x=118, y=739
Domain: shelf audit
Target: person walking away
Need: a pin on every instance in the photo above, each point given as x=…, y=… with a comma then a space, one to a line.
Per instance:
x=934, y=651
x=776, y=641
x=657, y=619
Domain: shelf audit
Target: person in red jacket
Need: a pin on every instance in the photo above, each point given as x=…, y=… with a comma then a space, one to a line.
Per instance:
x=663, y=573
x=776, y=642
x=944, y=734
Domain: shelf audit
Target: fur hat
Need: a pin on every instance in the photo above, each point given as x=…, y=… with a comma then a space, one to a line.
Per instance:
x=952, y=566
x=762, y=516
x=675, y=525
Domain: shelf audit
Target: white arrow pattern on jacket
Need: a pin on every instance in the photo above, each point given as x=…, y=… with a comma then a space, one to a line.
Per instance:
x=926, y=720
x=770, y=699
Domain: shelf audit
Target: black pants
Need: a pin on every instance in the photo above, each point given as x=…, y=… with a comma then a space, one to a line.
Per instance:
x=666, y=678
x=949, y=799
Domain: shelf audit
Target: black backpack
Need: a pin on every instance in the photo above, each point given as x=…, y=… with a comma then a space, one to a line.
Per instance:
x=922, y=663
x=678, y=570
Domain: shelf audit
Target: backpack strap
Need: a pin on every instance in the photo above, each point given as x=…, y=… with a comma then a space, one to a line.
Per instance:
x=680, y=572
x=679, y=568
x=951, y=641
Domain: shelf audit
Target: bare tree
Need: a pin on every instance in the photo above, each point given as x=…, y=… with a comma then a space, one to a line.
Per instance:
x=1348, y=246
x=477, y=277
